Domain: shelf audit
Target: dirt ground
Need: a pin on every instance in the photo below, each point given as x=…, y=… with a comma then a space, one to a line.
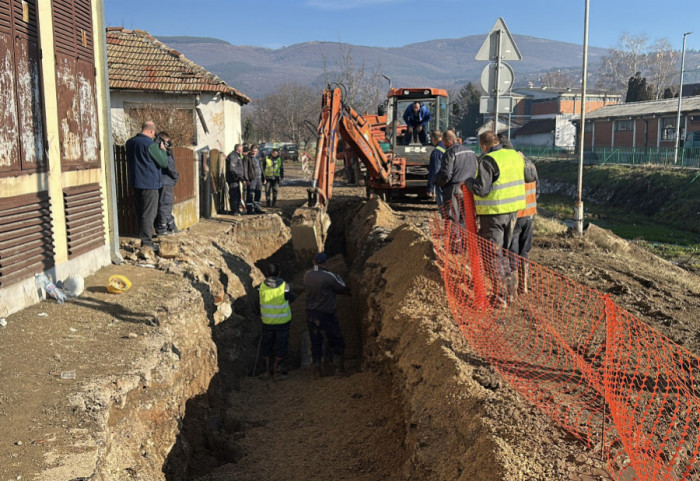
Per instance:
x=394, y=415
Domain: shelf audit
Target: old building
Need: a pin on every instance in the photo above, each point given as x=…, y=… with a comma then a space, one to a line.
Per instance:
x=145, y=76
x=56, y=193
x=547, y=114
x=649, y=124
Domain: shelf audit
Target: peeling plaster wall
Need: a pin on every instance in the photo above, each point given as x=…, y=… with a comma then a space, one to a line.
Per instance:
x=222, y=116
x=36, y=116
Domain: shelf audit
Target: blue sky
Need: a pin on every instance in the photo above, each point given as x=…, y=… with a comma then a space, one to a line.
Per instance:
x=393, y=23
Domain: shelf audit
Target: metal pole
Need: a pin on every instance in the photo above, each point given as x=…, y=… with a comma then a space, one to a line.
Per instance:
x=498, y=80
x=680, y=100
x=578, y=206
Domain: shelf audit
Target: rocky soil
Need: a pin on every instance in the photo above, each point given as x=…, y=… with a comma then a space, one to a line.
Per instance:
x=163, y=386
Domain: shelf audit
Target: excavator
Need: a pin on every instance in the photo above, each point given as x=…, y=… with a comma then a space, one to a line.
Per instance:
x=392, y=165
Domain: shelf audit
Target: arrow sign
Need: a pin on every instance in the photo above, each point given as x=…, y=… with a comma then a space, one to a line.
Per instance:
x=490, y=49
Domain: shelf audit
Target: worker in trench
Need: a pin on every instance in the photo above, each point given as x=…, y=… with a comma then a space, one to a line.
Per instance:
x=322, y=286
x=276, y=314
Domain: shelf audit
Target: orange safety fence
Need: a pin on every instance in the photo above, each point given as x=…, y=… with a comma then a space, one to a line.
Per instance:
x=601, y=373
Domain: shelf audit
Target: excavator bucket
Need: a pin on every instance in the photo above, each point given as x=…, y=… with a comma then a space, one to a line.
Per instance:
x=309, y=231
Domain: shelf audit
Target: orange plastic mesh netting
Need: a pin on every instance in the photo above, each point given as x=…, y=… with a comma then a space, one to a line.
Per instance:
x=598, y=371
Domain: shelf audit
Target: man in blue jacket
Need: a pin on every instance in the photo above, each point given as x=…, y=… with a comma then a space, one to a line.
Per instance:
x=416, y=117
x=145, y=158
x=435, y=191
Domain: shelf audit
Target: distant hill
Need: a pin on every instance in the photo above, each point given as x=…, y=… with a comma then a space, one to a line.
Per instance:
x=444, y=63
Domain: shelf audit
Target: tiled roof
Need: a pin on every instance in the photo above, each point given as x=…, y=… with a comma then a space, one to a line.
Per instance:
x=138, y=61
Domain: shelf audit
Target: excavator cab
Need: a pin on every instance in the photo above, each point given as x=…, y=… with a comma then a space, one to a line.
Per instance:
x=417, y=155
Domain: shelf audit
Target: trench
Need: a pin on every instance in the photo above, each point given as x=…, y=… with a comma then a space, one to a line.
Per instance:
x=348, y=426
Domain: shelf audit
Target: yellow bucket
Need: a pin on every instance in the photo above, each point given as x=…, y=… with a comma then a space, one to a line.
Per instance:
x=118, y=284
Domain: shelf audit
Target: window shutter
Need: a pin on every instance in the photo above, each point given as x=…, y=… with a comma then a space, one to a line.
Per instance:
x=21, y=120
x=75, y=83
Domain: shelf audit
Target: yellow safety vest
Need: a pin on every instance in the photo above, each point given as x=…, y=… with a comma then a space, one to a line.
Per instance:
x=530, y=199
x=274, y=308
x=273, y=167
x=508, y=192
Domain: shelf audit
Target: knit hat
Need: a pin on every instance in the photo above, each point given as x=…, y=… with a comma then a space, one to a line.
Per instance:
x=320, y=258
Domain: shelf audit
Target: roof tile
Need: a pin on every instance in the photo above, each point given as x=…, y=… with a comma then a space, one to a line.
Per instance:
x=136, y=60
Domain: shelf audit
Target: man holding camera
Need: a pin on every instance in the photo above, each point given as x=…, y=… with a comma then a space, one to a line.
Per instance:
x=165, y=223
x=145, y=158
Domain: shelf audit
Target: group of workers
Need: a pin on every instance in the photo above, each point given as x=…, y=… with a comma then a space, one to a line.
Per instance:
x=505, y=188
x=247, y=173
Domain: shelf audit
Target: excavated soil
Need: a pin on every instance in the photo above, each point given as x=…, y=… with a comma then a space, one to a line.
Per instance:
x=163, y=386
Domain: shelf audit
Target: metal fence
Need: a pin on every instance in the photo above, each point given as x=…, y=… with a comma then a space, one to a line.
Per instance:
x=687, y=157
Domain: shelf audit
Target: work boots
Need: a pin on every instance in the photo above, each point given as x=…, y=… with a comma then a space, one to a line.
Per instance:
x=278, y=371
x=339, y=364
x=318, y=372
x=523, y=278
x=266, y=373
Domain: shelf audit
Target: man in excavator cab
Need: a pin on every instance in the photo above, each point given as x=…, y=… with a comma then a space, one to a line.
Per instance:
x=416, y=117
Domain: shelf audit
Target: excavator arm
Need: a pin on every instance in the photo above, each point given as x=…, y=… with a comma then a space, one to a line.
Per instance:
x=338, y=120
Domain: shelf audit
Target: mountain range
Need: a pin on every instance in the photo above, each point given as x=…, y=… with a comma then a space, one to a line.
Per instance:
x=445, y=63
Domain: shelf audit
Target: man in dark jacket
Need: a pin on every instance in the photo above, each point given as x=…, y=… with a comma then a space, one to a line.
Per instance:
x=253, y=179
x=165, y=223
x=145, y=158
x=234, y=178
x=459, y=163
x=435, y=191
x=322, y=286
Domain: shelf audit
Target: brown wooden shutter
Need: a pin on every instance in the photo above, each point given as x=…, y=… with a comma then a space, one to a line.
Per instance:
x=84, y=219
x=26, y=240
x=75, y=83
x=21, y=120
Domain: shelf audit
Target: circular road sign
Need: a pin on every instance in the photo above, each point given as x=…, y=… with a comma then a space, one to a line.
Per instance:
x=505, y=80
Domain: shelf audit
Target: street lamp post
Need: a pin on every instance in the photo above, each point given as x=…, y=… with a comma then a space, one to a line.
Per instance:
x=578, y=206
x=680, y=101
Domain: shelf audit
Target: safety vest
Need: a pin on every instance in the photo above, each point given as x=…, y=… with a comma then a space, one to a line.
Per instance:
x=508, y=192
x=273, y=167
x=530, y=200
x=274, y=308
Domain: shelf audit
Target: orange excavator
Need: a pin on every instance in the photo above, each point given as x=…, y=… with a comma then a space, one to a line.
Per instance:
x=393, y=165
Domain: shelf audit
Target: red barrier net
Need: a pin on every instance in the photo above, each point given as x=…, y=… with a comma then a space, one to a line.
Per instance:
x=601, y=373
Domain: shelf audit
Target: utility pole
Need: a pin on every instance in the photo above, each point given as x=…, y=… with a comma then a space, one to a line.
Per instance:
x=578, y=207
x=680, y=100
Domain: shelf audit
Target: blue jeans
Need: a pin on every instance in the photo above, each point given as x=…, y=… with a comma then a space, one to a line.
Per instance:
x=324, y=326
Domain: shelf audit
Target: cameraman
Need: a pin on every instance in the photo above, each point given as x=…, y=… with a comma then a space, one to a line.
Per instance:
x=165, y=223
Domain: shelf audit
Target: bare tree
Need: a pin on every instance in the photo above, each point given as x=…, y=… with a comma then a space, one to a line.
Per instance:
x=559, y=79
x=282, y=115
x=662, y=66
x=364, y=86
x=634, y=54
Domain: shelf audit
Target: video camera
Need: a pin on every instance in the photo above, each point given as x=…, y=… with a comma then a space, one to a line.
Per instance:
x=160, y=140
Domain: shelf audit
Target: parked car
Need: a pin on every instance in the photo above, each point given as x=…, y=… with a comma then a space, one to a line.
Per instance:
x=471, y=141
x=290, y=152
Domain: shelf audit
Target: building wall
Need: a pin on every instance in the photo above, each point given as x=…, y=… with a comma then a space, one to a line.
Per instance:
x=221, y=114
x=55, y=179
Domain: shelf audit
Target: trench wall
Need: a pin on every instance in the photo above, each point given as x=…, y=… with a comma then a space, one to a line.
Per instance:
x=408, y=331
